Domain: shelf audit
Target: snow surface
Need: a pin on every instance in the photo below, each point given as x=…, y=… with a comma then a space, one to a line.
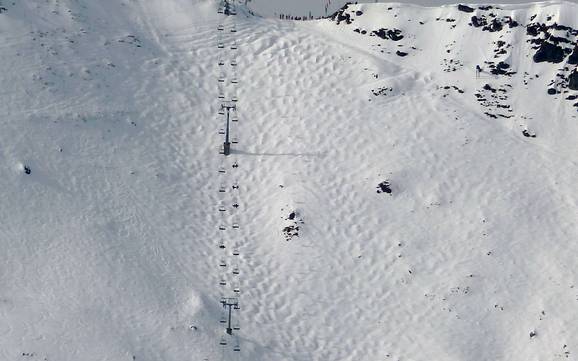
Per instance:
x=110, y=244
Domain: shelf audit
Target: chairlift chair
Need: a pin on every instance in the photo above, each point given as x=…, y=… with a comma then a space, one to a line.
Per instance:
x=222, y=228
x=223, y=342
x=234, y=98
x=234, y=29
x=221, y=62
x=220, y=45
x=236, y=251
x=222, y=170
x=234, y=46
x=237, y=348
x=221, y=27
x=234, y=118
x=235, y=224
x=223, y=282
x=222, y=263
x=236, y=270
x=237, y=289
x=222, y=209
x=221, y=131
x=222, y=188
x=234, y=63
x=235, y=186
x=221, y=244
x=234, y=81
x=235, y=141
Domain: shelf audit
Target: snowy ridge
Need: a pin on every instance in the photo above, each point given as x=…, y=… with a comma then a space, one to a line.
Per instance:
x=394, y=205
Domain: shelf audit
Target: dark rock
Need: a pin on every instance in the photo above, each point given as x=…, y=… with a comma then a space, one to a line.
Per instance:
x=527, y=134
x=485, y=8
x=395, y=34
x=465, y=8
x=513, y=23
x=502, y=66
x=478, y=22
x=494, y=26
x=556, y=26
x=572, y=97
x=573, y=59
x=557, y=40
x=358, y=13
x=534, y=29
x=27, y=169
x=573, y=80
x=489, y=88
x=341, y=15
x=552, y=91
x=550, y=53
x=392, y=34
x=384, y=187
x=382, y=33
x=400, y=53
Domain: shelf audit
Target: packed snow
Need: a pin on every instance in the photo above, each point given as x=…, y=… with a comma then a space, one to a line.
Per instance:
x=384, y=199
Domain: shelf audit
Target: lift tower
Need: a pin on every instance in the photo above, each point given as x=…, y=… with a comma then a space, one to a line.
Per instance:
x=227, y=107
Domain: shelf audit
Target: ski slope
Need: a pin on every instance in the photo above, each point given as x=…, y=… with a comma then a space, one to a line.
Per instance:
x=110, y=244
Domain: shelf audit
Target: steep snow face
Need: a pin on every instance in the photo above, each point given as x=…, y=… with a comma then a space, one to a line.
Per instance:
x=392, y=203
x=300, y=8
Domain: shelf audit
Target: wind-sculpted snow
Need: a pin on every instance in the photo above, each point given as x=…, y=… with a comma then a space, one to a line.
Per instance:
x=397, y=203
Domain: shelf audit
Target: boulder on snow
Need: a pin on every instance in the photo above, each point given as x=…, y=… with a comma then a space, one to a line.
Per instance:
x=465, y=8
x=392, y=34
x=550, y=53
x=573, y=80
x=384, y=187
x=573, y=59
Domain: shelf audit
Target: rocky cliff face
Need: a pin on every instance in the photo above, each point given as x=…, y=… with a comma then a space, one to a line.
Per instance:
x=499, y=35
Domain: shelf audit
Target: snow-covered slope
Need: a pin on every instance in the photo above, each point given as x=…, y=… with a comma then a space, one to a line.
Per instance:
x=392, y=204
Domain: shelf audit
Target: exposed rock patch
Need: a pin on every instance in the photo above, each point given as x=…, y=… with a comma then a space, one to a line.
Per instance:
x=465, y=8
x=391, y=34
x=384, y=187
x=342, y=15
x=292, y=227
x=550, y=53
x=573, y=80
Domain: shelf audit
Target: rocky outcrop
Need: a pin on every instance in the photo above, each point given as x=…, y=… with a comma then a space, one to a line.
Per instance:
x=465, y=8
x=573, y=80
x=550, y=53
